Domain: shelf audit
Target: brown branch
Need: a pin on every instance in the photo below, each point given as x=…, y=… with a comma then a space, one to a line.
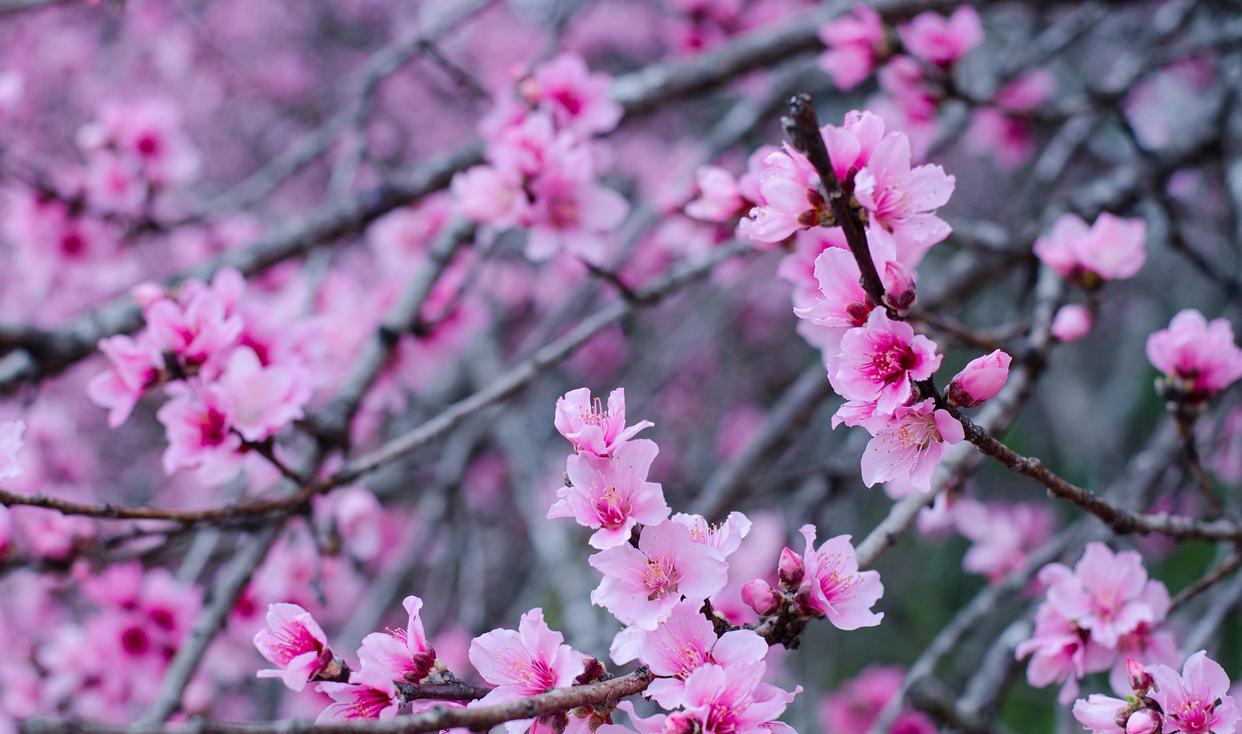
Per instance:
x=1217, y=573
x=802, y=129
x=481, y=718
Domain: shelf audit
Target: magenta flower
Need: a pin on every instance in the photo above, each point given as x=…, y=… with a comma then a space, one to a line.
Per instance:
x=1198, y=700
x=940, y=40
x=979, y=380
x=906, y=448
x=1105, y=594
x=833, y=587
x=196, y=331
x=642, y=585
x=1111, y=249
x=396, y=656
x=611, y=494
x=686, y=641
x=10, y=444
x=591, y=428
x=1100, y=713
x=294, y=643
x=579, y=100
x=352, y=702
x=197, y=423
x=878, y=361
x=1198, y=357
x=718, y=699
x=854, y=42
x=532, y=660
x=840, y=303
x=570, y=211
x=903, y=199
x=850, y=146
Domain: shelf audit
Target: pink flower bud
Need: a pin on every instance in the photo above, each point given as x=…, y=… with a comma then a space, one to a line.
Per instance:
x=1140, y=680
x=790, y=569
x=1143, y=721
x=681, y=723
x=1071, y=323
x=899, y=288
x=760, y=596
x=979, y=380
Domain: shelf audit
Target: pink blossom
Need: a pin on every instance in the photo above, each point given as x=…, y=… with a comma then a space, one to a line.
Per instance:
x=10, y=444
x=855, y=705
x=1198, y=357
x=879, y=360
x=759, y=595
x=1111, y=249
x=1100, y=713
x=526, y=662
x=591, y=428
x=197, y=423
x=789, y=199
x=133, y=367
x=904, y=199
x=979, y=380
x=840, y=303
x=1071, y=322
x=354, y=703
x=725, y=537
x=1144, y=721
x=1001, y=535
x=939, y=40
x=732, y=699
x=396, y=656
x=260, y=400
x=199, y=329
x=1060, y=653
x=149, y=134
x=854, y=41
x=687, y=640
x=719, y=198
x=491, y=195
x=906, y=448
x=572, y=213
x=850, y=146
x=833, y=587
x=1198, y=700
x=294, y=643
x=642, y=585
x=611, y=494
x=1105, y=594
x=578, y=99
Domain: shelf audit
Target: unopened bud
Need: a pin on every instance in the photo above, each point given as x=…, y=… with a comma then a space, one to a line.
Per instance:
x=1143, y=721
x=1140, y=680
x=979, y=380
x=760, y=596
x=789, y=569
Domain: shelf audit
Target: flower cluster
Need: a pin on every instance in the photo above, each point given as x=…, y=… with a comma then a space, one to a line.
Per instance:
x=1095, y=616
x=233, y=378
x=542, y=166
x=856, y=704
x=1195, y=701
x=1196, y=358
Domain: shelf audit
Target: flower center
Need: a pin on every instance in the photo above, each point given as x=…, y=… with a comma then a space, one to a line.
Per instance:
x=660, y=577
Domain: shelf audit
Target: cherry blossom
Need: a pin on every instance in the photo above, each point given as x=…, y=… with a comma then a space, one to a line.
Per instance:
x=1199, y=358
x=833, y=587
x=1197, y=700
x=611, y=495
x=906, y=447
x=10, y=444
x=642, y=585
x=880, y=359
x=733, y=699
x=592, y=428
x=854, y=41
x=979, y=380
x=854, y=706
x=1072, y=322
x=940, y=40
x=402, y=655
x=295, y=644
x=1110, y=249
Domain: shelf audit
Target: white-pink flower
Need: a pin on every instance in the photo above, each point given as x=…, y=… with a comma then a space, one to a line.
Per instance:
x=879, y=360
x=579, y=100
x=1105, y=594
x=719, y=197
x=294, y=642
x=589, y=427
x=261, y=400
x=1099, y=713
x=733, y=699
x=904, y=199
x=642, y=585
x=352, y=702
x=10, y=444
x=134, y=365
x=1072, y=322
x=1198, y=357
x=611, y=494
x=833, y=587
x=906, y=448
x=532, y=660
x=1110, y=249
x=686, y=641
